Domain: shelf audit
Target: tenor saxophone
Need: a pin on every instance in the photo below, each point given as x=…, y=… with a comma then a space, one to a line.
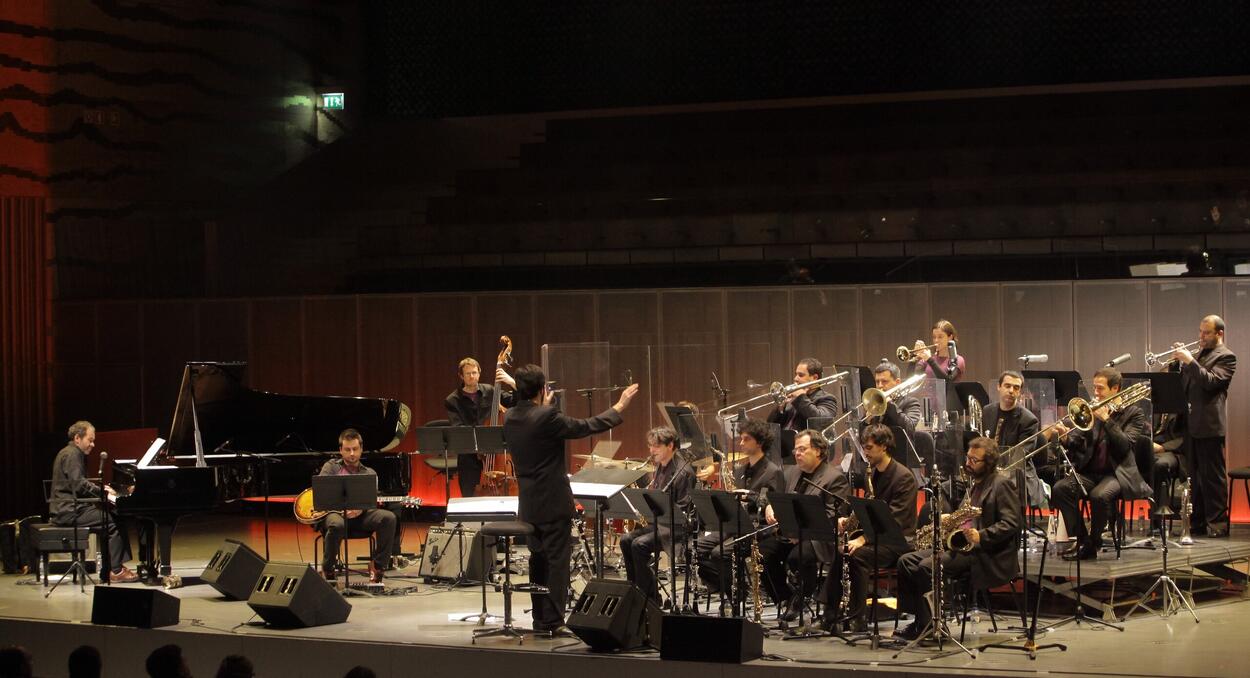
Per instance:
x=951, y=529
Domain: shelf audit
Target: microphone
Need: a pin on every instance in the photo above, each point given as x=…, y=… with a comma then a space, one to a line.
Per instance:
x=954, y=360
x=1122, y=358
x=1034, y=358
x=104, y=457
x=222, y=446
x=716, y=383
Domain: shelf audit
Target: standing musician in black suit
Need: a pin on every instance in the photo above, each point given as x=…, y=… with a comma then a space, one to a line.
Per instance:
x=754, y=476
x=804, y=403
x=894, y=484
x=470, y=405
x=1103, y=463
x=676, y=478
x=536, y=432
x=994, y=537
x=811, y=466
x=1006, y=424
x=1205, y=378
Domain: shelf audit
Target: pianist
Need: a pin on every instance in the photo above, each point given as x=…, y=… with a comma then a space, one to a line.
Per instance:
x=75, y=499
x=379, y=521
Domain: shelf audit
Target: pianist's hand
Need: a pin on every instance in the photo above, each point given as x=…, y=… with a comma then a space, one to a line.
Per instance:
x=354, y=513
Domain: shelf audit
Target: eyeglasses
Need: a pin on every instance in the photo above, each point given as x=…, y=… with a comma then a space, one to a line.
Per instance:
x=801, y=448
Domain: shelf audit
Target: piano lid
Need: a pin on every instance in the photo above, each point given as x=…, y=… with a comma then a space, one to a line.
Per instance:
x=233, y=417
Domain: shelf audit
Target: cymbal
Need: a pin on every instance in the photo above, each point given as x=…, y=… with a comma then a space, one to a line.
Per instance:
x=605, y=462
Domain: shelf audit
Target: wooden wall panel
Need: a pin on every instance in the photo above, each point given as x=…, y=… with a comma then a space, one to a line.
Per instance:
x=169, y=341
x=330, y=360
x=444, y=328
x=223, y=331
x=826, y=324
x=496, y=315
x=1110, y=319
x=893, y=316
x=629, y=322
x=692, y=343
x=387, y=345
x=74, y=332
x=974, y=311
x=1037, y=318
x=758, y=340
x=276, y=356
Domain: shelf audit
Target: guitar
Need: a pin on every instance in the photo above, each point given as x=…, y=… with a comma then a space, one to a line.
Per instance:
x=303, y=506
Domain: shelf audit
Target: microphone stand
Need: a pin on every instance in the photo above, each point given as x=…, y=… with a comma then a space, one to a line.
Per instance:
x=838, y=503
x=1078, y=615
x=265, y=462
x=672, y=539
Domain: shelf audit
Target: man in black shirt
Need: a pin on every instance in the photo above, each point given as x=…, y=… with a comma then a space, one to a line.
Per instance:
x=676, y=478
x=894, y=484
x=536, y=432
x=753, y=478
x=1206, y=378
x=381, y=522
x=994, y=536
x=76, y=501
x=1103, y=461
x=811, y=467
x=904, y=412
x=1006, y=423
x=804, y=403
x=470, y=405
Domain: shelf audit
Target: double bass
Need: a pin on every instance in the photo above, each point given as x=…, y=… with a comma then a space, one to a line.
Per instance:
x=497, y=478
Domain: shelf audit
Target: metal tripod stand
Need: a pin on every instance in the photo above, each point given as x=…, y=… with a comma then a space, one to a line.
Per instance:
x=1170, y=596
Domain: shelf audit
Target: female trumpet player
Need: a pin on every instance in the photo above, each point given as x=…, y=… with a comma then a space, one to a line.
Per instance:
x=938, y=364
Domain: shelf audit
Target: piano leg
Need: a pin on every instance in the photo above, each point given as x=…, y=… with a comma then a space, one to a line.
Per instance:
x=165, y=541
x=147, y=550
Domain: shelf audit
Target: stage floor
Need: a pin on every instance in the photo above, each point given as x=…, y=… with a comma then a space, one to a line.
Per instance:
x=413, y=634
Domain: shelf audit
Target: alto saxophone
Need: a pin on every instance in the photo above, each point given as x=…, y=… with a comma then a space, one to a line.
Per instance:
x=851, y=527
x=951, y=528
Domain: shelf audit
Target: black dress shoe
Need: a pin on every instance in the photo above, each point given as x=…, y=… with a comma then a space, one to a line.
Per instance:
x=1090, y=553
x=1217, y=533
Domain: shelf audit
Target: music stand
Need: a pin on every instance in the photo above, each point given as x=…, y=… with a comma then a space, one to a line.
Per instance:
x=911, y=455
x=722, y=509
x=656, y=506
x=1167, y=396
x=802, y=517
x=433, y=440
x=339, y=494
x=879, y=527
x=600, y=485
x=963, y=389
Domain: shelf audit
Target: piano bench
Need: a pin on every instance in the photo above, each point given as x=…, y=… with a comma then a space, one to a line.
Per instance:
x=51, y=539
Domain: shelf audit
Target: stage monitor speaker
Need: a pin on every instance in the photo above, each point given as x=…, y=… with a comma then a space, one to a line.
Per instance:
x=233, y=570
x=140, y=607
x=293, y=595
x=441, y=559
x=613, y=615
x=736, y=640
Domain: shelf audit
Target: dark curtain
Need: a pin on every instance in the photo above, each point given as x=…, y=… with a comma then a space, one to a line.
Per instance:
x=25, y=348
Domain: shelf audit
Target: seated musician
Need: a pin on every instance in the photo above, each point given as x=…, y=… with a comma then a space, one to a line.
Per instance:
x=671, y=474
x=1007, y=424
x=379, y=521
x=1103, y=462
x=1166, y=463
x=811, y=466
x=894, y=484
x=994, y=537
x=937, y=363
x=904, y=413
x=470, y=405
x=75, y=500
x=752, y=475
x=805, y=403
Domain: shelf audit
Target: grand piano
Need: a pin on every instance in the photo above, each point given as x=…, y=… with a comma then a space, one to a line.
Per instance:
x=227, y=440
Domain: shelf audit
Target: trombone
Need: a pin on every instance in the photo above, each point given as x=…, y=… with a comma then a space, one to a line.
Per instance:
x=1153, y=359
x=875, y=401
x=776, y=396
x=908, y=355
x=1081, y=413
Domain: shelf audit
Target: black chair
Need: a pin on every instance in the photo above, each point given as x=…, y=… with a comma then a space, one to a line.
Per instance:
x=51, y=539
x=1243, y=474
x=507, y=530
x=436, y=462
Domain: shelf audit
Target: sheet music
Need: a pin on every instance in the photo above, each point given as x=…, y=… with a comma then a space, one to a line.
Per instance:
x=153, y=449
x=595, y=490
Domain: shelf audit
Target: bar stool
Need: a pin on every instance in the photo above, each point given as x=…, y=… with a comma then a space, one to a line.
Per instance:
x=507, y=530
x=1243, y=474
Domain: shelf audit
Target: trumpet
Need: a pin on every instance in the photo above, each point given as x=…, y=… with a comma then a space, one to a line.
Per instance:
x=1153, y=359
x=1081, y=414
x=776, y=396
x=908, y=355
x=875, y=401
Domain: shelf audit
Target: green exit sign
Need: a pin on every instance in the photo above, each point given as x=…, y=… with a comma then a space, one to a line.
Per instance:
x=332, y=101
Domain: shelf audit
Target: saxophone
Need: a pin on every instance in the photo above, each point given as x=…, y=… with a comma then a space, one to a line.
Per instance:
x=851, y=528
x=755, y=567
x=1187, y=510
x=952, y=532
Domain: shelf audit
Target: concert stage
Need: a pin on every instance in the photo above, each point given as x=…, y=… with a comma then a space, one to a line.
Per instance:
x=407, y=635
